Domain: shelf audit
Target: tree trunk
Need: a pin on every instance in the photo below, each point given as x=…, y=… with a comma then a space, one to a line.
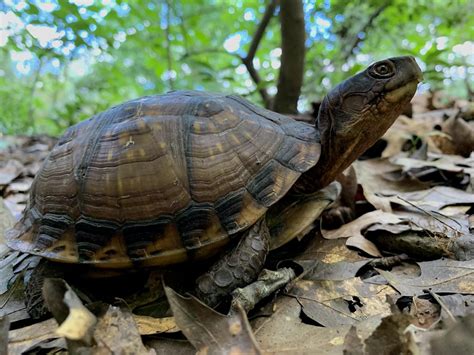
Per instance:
x=292, y=59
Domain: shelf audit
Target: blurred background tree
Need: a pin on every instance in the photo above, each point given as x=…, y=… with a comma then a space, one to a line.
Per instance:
x=62, y=61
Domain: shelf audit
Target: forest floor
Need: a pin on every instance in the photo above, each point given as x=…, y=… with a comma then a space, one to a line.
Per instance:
x=397, y=279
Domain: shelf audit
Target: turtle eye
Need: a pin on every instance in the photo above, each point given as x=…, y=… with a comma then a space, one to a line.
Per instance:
x=382, y=70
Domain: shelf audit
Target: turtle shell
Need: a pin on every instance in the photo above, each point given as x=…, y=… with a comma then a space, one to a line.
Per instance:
x=161, y=180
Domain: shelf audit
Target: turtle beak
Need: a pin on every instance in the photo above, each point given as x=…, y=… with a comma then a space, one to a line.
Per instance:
x=412, y=71
x=418, y=74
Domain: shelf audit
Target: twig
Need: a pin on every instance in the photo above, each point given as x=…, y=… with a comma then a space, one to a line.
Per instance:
x=257, y=38
x=442, y=305
x=206, y=51
x=429, y=214
x=182, y=26
x=247, y=60
x=364, y=28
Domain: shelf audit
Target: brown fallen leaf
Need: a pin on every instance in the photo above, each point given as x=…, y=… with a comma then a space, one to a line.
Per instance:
x=420, y=102
x=374, y=177
x=9, y=171
x=440, y=276
x=19, y=185
x=4, y=326
x=16, y=203
x=48, y=346
x=28, y=337
x=390, y=336
x=332, y=303
x=284, y=332
x=116, y=332
x=211, y=332
x=6, y=276
x=435, y=116
x=113, y=331
x=12, y=302
x=458, y=305
x=461, y=132
x=432, y=199
x=450, y=225
x=342, y=270
x=403, y=130
x=164, y=346
x=6, y=221
x=352, y=343
x=427, y=236
x=425, y=313
x=352, y=230
x=328, y=251
x=456, y=340
x=442, y=162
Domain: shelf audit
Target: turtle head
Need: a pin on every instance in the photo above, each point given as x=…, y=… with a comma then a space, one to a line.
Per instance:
x=357, y=112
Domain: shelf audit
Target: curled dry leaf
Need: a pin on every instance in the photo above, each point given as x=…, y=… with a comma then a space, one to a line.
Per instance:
x=353, y=230
x=80, y=320
x=211, y=332
x=75, y=321
x=462, y=133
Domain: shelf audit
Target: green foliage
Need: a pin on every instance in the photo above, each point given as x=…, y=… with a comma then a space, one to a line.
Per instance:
x=105, y=54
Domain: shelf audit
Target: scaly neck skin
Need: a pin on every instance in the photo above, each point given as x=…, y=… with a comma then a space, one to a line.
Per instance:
x=344, y=137
x=340, y=145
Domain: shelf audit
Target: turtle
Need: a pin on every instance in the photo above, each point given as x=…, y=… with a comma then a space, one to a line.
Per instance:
x=179, y=177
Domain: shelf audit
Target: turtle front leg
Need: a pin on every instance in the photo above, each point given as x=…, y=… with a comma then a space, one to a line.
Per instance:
x=236, y=269
x=35, y=304
x=343, y=210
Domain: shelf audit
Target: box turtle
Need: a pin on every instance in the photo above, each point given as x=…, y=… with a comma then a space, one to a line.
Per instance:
x=174, y=178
